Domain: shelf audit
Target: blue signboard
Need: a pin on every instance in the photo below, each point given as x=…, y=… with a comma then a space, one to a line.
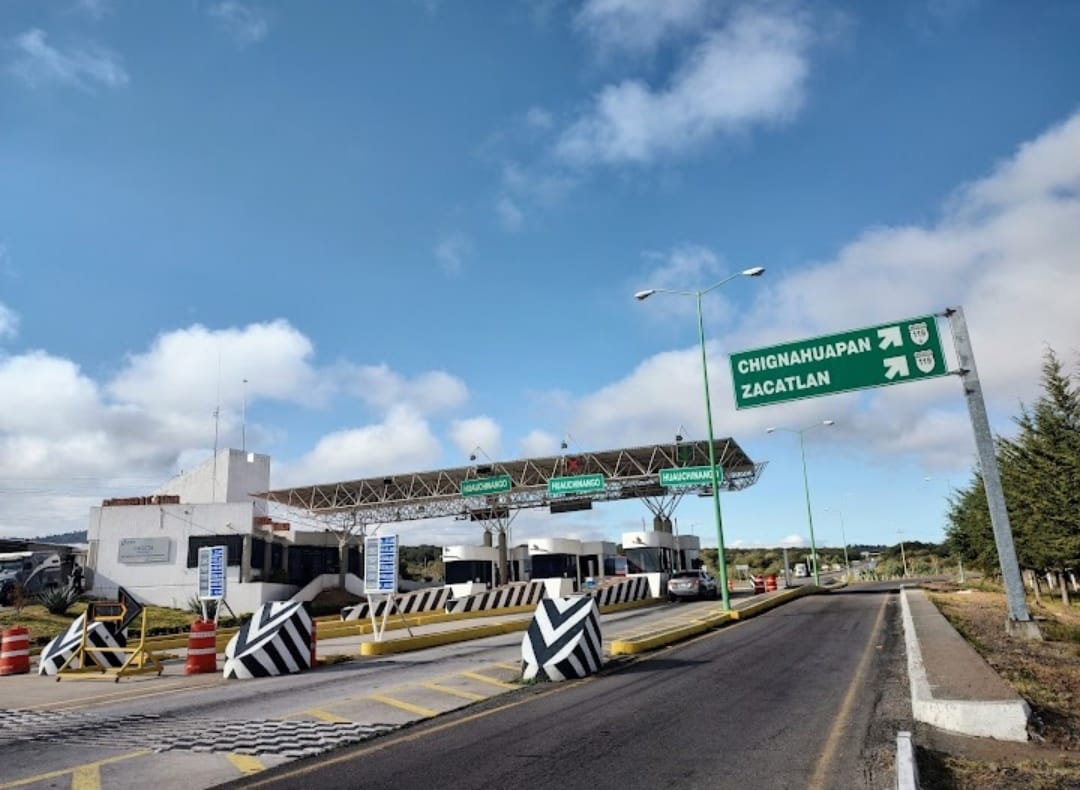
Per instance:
x=381, y=564
x=212, y=564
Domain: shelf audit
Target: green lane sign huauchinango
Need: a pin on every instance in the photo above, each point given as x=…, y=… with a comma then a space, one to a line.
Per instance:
x=690, y=476
x=481, y=486
x=578, y=484
x=872, y=357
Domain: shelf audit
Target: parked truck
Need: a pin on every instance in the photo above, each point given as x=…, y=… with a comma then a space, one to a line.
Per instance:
x=34, y=571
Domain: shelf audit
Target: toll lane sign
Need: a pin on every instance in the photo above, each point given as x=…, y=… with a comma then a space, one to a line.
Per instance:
x=872, y=357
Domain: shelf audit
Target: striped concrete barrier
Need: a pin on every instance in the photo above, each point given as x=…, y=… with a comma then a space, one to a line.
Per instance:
x=59, y=650
x=563, y=641
x=276, y=641
x=525, y=594
x=433, y=599
x=623, y=591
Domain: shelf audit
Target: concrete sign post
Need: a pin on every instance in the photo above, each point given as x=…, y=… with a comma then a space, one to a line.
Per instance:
x=872, y=357
x=381, y=579
x=213, y=561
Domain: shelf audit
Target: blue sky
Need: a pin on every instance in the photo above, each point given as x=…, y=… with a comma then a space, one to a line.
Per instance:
x=416, y=227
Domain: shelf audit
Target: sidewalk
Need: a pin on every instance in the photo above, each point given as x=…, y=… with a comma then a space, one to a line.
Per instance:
x=952, y=687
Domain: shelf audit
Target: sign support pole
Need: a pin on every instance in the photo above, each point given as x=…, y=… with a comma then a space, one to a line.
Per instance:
x=1019, y=622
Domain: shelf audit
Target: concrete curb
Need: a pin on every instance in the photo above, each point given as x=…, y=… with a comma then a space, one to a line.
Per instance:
x=441, y=638
x=907, y=770
x=1005, y=720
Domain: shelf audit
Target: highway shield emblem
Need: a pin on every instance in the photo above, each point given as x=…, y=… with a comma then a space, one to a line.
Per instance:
x=919, y=333
x=924, y=361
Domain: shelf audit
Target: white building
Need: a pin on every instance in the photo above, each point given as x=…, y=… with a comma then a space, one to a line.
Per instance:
x=149, y=545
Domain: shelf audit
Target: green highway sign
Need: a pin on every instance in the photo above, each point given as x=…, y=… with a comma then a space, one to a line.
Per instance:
x=579, y=484
x=481, y=486
x=690, y=476
x=872, y=357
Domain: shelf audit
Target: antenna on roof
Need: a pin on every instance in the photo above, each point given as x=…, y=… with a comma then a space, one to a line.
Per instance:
x=217, y=419
x=243, y=419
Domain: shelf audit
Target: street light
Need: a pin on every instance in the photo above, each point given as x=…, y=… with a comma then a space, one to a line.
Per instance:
x=843, y=535
x=806, y=487
x=721, y=561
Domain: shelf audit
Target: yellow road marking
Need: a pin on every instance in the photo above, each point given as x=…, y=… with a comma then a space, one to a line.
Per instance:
x=509, y=665
x=86, y=777
x=64, y=771
x=486, y=679
x=418, y=710
x=386, y=743
x=245, y=763
x=454, y=692
x=817, y=781
x=326, y=715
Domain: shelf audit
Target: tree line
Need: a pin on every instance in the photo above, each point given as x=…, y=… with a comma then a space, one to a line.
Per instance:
x=1040, y=474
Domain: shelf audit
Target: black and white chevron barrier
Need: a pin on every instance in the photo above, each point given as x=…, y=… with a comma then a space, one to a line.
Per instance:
x=433, y=599
x=563, y=640
x=501, y=598
x=634, y=588
x=60, y=649
x=275, y=641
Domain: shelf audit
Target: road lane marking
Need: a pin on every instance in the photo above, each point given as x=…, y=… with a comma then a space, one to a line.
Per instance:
x=486, y=679
x=64, y=706
x=65, y=771
x=828, y=753
x=387, y=742
x=325, y=715
x=406, y=706
x=454, y=692
x=86, y=777
x=509, y=665
x=245, y=763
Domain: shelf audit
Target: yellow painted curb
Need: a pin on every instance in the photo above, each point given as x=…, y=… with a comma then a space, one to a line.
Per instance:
x=668, y=636
x=759, y=608
x=442, y=638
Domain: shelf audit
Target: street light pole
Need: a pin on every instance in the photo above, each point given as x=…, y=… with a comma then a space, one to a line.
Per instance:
x=721, y=561
x=843, y=536
x=806, y=490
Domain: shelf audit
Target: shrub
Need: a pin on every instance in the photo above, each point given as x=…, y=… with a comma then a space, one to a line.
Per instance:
x=58, y=599
x=195, y=606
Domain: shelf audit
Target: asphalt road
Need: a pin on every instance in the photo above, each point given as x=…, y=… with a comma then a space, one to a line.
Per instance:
x=809, y=695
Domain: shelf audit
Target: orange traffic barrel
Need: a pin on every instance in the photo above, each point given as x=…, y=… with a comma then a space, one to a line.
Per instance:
x=202, y=648
x=15, y=651
x=759, y=584
x=770, y=583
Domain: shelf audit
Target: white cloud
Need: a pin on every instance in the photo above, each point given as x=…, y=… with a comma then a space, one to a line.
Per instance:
x=510, y=216
x=247, y=24
x=1003, y=248
x=792, y=541
x=539, y=443
x=9, y=322
x=379, y=386
x=189, y=371
x=39, y=64
x=750, y=72
x=639, y=25
x=482, y=431
x=402, y=443
x=452, y=250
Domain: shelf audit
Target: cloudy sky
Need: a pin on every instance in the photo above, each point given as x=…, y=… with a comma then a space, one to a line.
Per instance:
x=417, y=227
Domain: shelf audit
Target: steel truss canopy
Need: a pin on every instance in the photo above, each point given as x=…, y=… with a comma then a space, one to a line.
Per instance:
x=629, y=473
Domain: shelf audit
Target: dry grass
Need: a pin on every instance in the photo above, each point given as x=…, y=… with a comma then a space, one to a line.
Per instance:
x=1046, y=674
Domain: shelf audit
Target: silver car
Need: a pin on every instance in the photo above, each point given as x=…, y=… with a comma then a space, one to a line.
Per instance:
x=691, y=584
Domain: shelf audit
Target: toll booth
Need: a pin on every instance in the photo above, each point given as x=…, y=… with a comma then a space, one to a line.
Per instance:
x=469, y=569
x=652, y=555
x=592, y=560
x=556, y=560
x=687, y=552
x=520, y=563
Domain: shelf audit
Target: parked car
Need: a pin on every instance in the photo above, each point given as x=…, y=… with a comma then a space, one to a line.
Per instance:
x=691, y=584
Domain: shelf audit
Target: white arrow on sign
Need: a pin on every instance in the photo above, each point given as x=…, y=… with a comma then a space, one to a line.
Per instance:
x=890, y=336
x=895, y=366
